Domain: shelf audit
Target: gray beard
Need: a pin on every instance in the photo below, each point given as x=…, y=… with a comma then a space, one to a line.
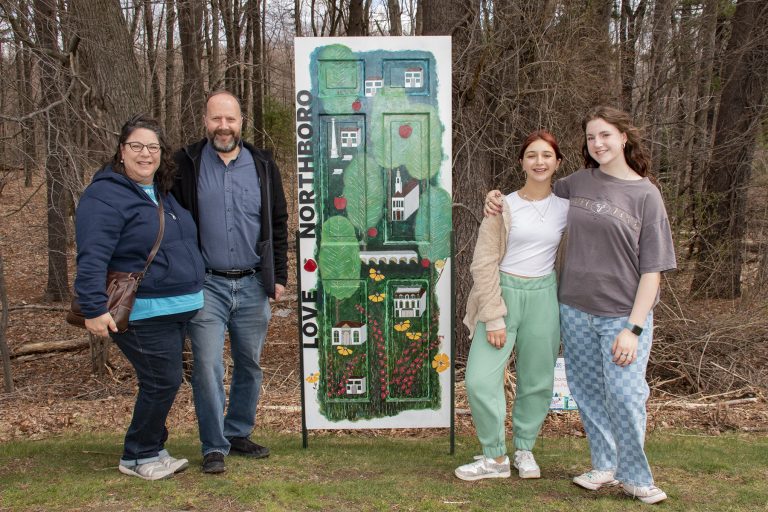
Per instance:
x=224, y=148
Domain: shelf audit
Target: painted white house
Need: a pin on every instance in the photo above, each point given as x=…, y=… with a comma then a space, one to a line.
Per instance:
x=349, y=333
x=372, y=85
x=356, y=386
x=350, y=137
x=405, y=200
x=410, y=301
x=414, y=77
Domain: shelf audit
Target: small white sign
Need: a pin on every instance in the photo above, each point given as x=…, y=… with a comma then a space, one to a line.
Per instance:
x=561, y=395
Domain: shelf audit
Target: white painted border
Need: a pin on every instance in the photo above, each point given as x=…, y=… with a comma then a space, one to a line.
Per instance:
x=440, y=47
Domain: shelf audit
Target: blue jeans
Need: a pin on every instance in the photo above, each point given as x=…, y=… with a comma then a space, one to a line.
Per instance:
x=153, y=346
x=242, y=307
x=611, y=399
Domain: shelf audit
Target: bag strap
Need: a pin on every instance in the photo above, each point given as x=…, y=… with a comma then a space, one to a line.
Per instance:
x=156, y=247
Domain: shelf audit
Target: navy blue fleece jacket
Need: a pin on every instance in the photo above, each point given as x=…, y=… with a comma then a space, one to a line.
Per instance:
x=116, y=226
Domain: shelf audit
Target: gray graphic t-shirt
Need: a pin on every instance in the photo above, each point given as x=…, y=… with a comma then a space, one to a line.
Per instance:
x=617, y=230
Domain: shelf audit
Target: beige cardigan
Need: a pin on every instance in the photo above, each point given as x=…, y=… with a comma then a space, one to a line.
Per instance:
x=485, y=303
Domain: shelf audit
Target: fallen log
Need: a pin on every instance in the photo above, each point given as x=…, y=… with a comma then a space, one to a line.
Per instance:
x=50, y=346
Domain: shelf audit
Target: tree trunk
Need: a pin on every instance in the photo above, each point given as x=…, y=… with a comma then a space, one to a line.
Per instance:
x=629, y=33
x=297, y=18
x=25, y=96
x=355, y=27
x=230, y=69
x=56, y=162
x=192, y=98
x=99, y=354
x=212, y=45
x=654, y=96
x=719, y=262
x=5, y=353
x=257, y=114
x=108, y=62
x=394, y=13
x=171, y=114
x=471, y=173
x=154, y=85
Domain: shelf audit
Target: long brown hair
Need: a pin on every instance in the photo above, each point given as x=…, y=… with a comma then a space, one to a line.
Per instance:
x=635, y=153
x=167, y=170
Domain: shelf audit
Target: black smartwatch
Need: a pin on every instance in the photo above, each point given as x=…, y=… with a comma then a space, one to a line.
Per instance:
x=634, y=329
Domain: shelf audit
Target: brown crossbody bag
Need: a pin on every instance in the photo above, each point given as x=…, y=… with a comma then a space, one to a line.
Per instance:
x=121, y=286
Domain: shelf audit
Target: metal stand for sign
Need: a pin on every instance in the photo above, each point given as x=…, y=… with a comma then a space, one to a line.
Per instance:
x=304, y=433
x=453, y=350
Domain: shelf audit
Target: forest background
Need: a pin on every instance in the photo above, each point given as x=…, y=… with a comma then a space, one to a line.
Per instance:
x=692, y=73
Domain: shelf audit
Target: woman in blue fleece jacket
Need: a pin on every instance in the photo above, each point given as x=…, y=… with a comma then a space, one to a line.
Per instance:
x=116, y=226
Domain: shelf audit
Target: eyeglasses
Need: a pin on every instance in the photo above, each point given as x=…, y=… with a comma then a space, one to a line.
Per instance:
x=138, y=146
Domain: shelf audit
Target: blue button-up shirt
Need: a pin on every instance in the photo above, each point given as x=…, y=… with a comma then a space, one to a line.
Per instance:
x=229, y=198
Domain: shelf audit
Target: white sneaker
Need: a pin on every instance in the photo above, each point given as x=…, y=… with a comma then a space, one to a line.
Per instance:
x=484, y=467
x=149, y=471
x=526, y=464
x=647, y=494
x=177, y=465
x=595, y=479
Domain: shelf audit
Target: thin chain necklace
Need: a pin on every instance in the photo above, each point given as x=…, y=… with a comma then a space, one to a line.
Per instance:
x=533, y=202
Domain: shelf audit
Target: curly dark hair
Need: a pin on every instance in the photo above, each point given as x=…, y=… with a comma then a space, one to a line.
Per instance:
x=165, y=173
x=635, y=152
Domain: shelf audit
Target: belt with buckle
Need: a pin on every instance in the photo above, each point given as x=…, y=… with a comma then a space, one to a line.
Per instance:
x=234, y=274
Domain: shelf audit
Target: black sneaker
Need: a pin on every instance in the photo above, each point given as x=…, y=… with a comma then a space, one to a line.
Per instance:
x=246, y=447
x=214, y=463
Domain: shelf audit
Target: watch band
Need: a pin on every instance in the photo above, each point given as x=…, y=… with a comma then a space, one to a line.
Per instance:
x=634, y=329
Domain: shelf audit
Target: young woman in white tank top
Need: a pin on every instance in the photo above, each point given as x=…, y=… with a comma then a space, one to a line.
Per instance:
x=513, y=306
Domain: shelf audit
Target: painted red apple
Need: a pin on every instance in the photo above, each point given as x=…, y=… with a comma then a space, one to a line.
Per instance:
x=310, y=265
x=340, y=202
x=372, y=232
x=405, y=131
x=425, y=262
x=356, y=105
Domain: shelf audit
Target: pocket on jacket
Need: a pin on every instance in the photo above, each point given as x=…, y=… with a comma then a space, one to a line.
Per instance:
x=177, y=264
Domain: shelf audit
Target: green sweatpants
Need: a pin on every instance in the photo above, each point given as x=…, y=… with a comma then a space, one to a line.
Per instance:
x=533, y=331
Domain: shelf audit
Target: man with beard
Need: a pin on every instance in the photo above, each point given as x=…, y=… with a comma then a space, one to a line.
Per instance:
x=236, y=197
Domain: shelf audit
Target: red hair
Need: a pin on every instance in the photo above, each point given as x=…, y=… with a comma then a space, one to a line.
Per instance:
x=540, y=135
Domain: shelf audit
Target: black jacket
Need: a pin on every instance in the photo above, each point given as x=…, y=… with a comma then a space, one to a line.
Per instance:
x=273, y=247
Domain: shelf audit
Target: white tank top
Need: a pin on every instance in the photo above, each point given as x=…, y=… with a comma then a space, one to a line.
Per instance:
x=534, y=235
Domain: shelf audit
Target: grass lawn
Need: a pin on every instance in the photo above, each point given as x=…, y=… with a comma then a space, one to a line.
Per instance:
x=355, y=473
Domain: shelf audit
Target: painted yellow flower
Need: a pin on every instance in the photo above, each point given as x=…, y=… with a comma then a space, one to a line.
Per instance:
x=375, y=275
x=313, y=377
x=415, y=336
x=343, y=350
x=441, y=362
x=439, y=264
x=403, y=326
x=377, y=297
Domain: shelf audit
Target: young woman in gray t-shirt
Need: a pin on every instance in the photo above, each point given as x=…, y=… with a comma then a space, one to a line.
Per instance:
x=619, y=241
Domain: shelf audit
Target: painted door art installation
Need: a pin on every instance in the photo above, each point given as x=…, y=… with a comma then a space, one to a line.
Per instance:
x=373, y=118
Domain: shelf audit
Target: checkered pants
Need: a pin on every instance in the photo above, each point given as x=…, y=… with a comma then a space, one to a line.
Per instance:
x=611, y=399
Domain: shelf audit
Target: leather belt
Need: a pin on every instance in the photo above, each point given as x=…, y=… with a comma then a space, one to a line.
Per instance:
x=234, y=274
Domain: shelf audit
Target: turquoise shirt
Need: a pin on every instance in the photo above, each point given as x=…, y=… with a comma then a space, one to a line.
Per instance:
x=161, y=306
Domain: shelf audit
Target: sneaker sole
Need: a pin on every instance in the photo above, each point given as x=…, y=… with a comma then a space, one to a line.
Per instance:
x=232, y=451
x=529, y=474
x=127, y=471
x=472, y=478
x=592, y=486
x=215, y=470
x=649, y=500
x=181, y=467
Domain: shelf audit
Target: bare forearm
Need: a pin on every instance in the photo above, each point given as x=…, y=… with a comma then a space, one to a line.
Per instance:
x=645, y=297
